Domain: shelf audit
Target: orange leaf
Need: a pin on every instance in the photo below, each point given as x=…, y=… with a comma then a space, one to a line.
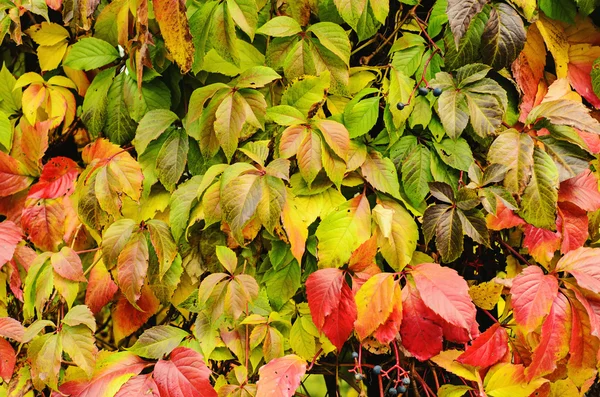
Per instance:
x=44, y=222
x=101, y=288
x=504, y=218
x=541, y=243
x=127, y=319
x=573, y=224
x=582, y=264
x=132, y=266
x=375, y=303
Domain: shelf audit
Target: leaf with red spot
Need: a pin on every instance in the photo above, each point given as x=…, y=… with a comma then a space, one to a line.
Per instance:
x=13, y=176
x=281, y=376
x=8, y=359
x=421, y=335
x=10, y=235
x=57, y=179
x=67, y=264
x=184, y=374
x=487, y=349
x=554, y=341
x=582, y=191
x=101, y=288
x=44, y=222
x=445, y=293
x=541, y=243
x=127, y=319
x=533, y=294
x=573, y=225
x=331, y=304
x=582, y=264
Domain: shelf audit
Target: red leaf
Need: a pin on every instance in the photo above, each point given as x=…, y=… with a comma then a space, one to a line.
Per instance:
x=532, y=297
x=57, y=179
x=541, y=243
x=331, y=304
x=583, y=346
x=139, y=386
x=8, y=359
x=591, y=303
x=11, y=328
x=127, y=319
x=504, y=218
x=110, y=368
x=101, y=288
x=554, y=342
x=445, y=293
x=281, y=376
x=67, y=264
x=421, y=336
x=184, y=375
x=387, y=331
x=13, y=176
x=583, y=265
x=487, y=349
x=582, y=191
x=580, y=78
x=10, y=235
x=573, y=224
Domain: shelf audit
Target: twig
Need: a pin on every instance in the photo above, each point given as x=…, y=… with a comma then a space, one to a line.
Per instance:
x=513, y=251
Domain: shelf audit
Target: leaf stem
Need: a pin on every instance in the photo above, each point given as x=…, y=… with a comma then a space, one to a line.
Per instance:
x=513, y=251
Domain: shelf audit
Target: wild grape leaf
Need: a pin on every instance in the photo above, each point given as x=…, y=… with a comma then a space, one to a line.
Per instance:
x=90, y=53
x=565, y=112
x=332, y=37
x=139, y=386
x=489, y=348
x=460, y=14
x=173, y=23
x=280, y=26
x=8, y=359
x=331, y=304
x=449, y=235
x=222, y=35
x=582, y=191
x=572, y=223
x=445, y=293
x=45, y=356
x=533, y=294
x=381, y=173
x=158, y=341
x=515, y=151
x=163, y=243
x=57, y=179
x=582, y=346
x=375, y=303
x=505, y=379
x=538, y=203
x=127, y=318
x=554, y=342
x=342, y=231
x=503, y=37
x=13, y=176
x=10, y=235
x=79, y=343
x=474, y=226
x=582, y=264
x=448, y=360
x=541, y=243
x=184, y=374
x=239, y=201
x=95, y=102
x=304, y=94
x=399, y=246
x=11, y=328
x=44, y=221
x=245, y=15
x=421, y=335
x=416, y=174
x=281, y=376
x=132, y=266
x=67, y=264
x=151, y=126
x=111, y=371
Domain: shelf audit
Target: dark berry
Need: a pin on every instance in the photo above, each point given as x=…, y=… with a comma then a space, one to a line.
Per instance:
x=400, y=105
x=423, y=91
x=437, y=91
x=402, y=389
x=377, y=369
x=354, y=355
x=392, y=391
x=358, y=377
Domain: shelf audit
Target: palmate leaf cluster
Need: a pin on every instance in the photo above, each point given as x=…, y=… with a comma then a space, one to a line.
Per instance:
x=220, y=198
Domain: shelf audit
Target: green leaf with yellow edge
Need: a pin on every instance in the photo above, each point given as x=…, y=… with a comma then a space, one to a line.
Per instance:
x=172, y=158
x=399, y=246
x=453, y=390
x=538, y=203
x=508, y=380
x=306, y=93
x=173, y=23
x=239, y=201
x=447, y=360
x=38, y=286
x=301, y=341
x=45, y=354
x=151, y=126
x=79, y=343
x=158, y=341
x=163, y=243
x=245, y=15
x=486, y=295
x=280, y=26
x=342, y=231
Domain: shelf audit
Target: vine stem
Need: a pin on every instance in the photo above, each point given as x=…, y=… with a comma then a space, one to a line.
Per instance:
x=314, y=360
x=513, y=251
x=490, y=316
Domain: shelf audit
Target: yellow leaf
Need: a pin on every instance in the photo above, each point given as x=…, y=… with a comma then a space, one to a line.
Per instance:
x=79, y=78
x=374, y=303
x=563, y=388
x=447, y=360
x=508, y=380
x=51, y=56
x=173, y=24
x=556, y=41
x=528, y=7
x=33, y=97
x=61, y=81
x=48, y=33
x=486, y=295
x=453, y=390
x=28, y=78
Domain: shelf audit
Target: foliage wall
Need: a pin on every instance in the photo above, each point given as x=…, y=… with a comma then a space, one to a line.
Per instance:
x=219, y=198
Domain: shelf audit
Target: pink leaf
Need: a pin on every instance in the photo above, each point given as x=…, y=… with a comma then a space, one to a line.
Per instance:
x=532, y=296
x=281, y=376
x=583, y=265
x=582, y=191
x=10, y=235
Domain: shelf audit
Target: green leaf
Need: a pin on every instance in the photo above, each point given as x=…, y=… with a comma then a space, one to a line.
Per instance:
x=437, y=18
x=95, y=102
x=158, y=341
x=408, y=60
x=304, y=94
x=10, y=99
x=163, y=243
x=151, y=126
x=181, y=203
x=245, y=15
x=453, y=111
x=351, y=11
x=399, y=247
x=239, y=200
x=280, y=26
x=38, y=287
x=332, y=37
x=114, y=239
x=431, y=218
x=6, y=133
x=569, y=159
x=256, y=76
x=381, y=173
x=565, y=112
x=200, y=24
x=285, y=115
x=282, y=283
x=222, y=35
x=538, y=203
x=460, y=14
x=119, y=127
x=416, y=174
x=456, y=153
x=563, y=10
x=485, y=113
x=79, y=343
x=90, y=53
x=154, y=95
x=515, y=151
x=171, y=159
x=361, y=116
x=272, y=202
x=449, y=235
x=78, y=315
x=468, y=50
x=301, y=341
x=421, y=114
x=504, y=36
x=473, y=223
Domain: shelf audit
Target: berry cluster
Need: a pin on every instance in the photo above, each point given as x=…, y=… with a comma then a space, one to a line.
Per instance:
x=422, y=91
x=402, y=380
